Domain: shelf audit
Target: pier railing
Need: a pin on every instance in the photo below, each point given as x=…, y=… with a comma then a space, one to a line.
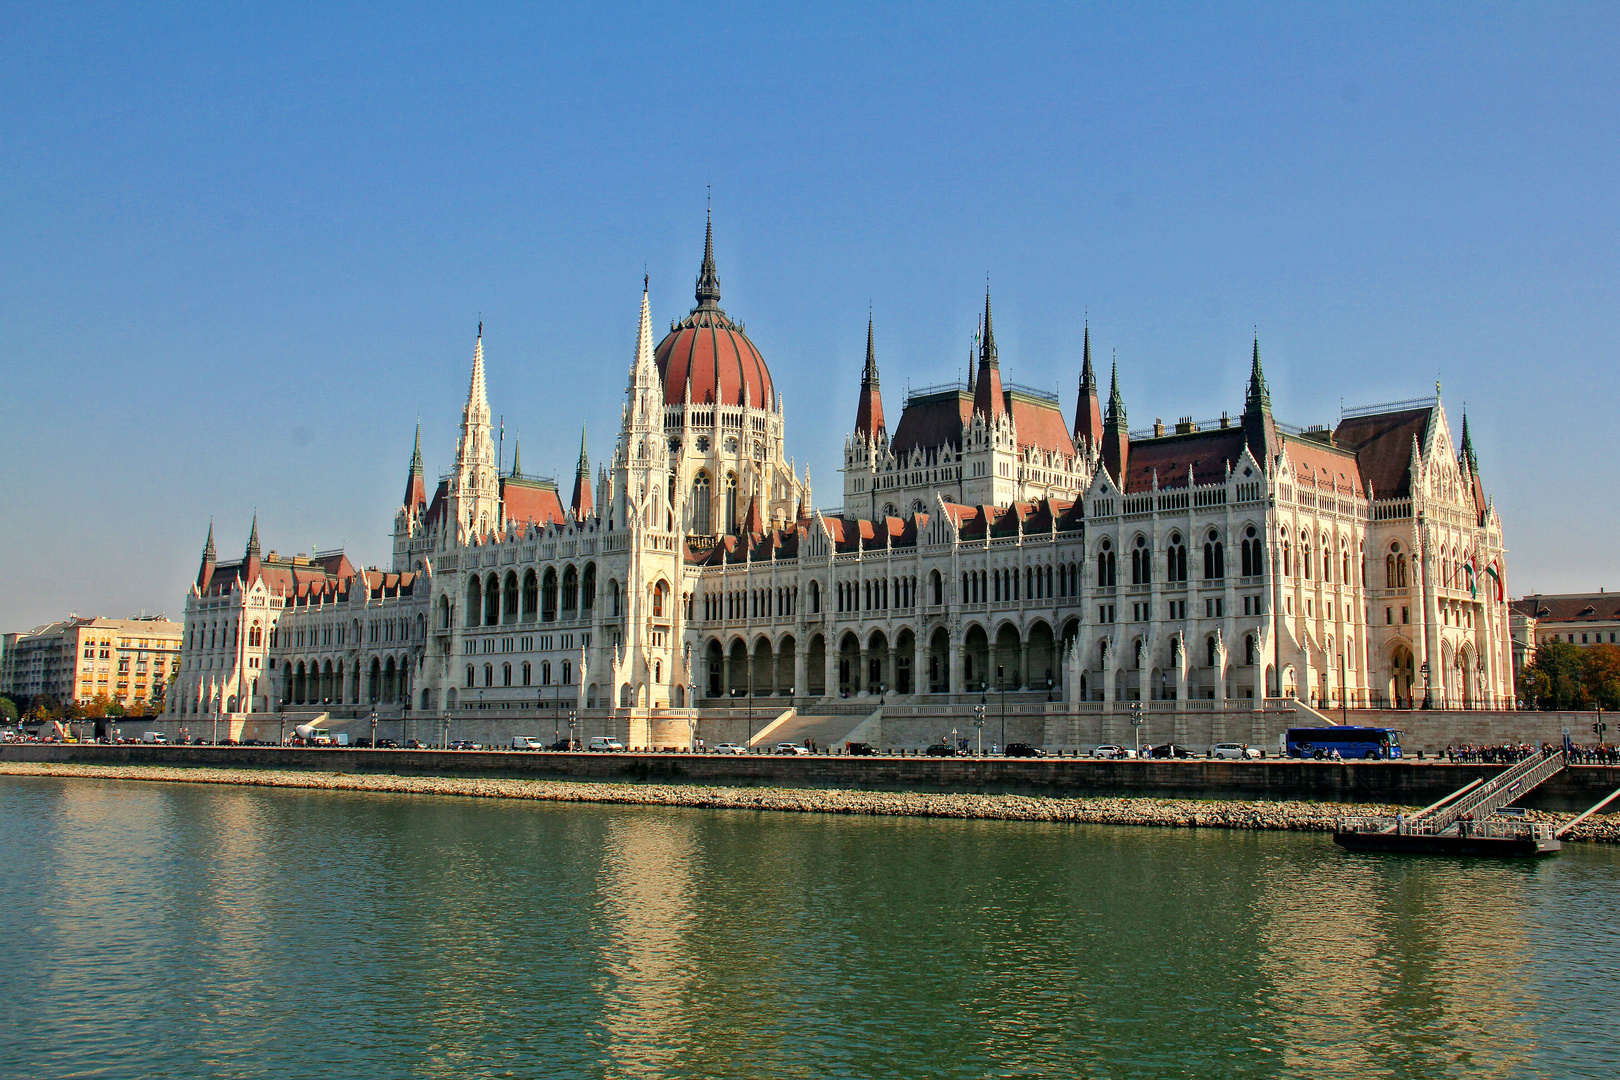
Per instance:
x=1497, y=792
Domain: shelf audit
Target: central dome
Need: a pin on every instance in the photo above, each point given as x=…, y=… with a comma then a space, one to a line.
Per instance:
x=712, y=352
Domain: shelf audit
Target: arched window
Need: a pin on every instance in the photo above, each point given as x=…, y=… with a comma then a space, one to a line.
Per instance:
x=444, y=612
x=470, y=676
x=475, y=601
x=545, y=673
x=489, y=674
x=1305, y=555
x=587, y=593
x=506, y=674
x=254, y=636
x=1389, y=570
x=660, y=595
x=700, y=504
x=1214, y=559
x=1209, y=644
x=1287, y=563
x=1327, y=562
x=731, y=504
x=570, y=590
x=1251, y=553
x=1249, y=650
x=509, y=612
x=1176, y=559
x=567, y=672
x=531, y=595
x=492, y=601
x=527, y=673
x=1141, y=563
x=613, y=598
x=548, y=595
x=1105, y=565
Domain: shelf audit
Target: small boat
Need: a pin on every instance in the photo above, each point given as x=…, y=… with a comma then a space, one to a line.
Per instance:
x=1502, y=838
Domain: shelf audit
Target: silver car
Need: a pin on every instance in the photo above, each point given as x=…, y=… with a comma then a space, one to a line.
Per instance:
x=1232, y=751
x=729, y=748
x=1111, y=750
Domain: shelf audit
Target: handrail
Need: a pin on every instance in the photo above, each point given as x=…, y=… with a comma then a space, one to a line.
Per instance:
x=1502, y=789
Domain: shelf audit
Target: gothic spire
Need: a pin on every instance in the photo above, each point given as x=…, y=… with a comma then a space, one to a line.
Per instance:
x=1116, y=443
x=477, y=392
x=253, y=539
x=209, y=558
x=1258, y=399
x=987, y=398
x=584, y=468
x=708, y=282
x=1116, y=403
x=416, y=454
x=415, y=486
x=209, y=554
x=517, y=458
x=1468, y=447
x=869, y=412
x=1088, y=421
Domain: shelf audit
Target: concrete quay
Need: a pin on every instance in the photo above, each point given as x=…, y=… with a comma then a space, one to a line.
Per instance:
x=1401, y=783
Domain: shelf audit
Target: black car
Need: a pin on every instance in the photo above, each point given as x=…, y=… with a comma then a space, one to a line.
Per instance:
x=387, y=744
x=1023, y=749
x=860, y=749
x=1168, y=750
x=940, y=750
x=561, y=744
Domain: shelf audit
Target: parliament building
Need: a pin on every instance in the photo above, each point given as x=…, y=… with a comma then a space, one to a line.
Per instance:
x=986, y=544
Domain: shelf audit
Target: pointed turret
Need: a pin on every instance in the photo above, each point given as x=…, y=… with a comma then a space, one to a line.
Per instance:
x=869, y=413
x=708, y=280
x=251, y=559
x=475, y=487
x=415, y=485
x=517, y=459
x=1088, y=421
x=1116, y=445
x=987, y=396
x=1468, y=454
x=1259, y=429
x=581, y=503
x=209, y=558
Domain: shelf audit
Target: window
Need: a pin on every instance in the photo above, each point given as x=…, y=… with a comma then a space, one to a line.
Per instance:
x=1176, y=559
x=1105, y=565
x=1141, y=563
x=489, y=674
x=506, y=674
x=470, y=676
x=731, y=494
x=526, y=673
x=1214, y=557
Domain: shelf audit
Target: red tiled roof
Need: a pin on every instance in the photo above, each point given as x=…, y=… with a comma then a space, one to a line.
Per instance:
x=1326, y=468
x=527, y=500
x=1383, y=448
x=1208, y=452
x=1040, y=424
x=1572, y=607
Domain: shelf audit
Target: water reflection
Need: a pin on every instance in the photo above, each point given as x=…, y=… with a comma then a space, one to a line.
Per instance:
x=182, y=930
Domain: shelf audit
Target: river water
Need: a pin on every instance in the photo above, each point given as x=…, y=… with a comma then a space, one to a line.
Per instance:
x=177, y=931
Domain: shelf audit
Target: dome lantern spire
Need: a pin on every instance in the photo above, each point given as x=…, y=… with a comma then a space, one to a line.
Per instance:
x=708, y=282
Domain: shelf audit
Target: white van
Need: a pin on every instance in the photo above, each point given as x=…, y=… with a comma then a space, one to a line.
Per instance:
x=603, y=742
x=526, y=742
x=156, y=738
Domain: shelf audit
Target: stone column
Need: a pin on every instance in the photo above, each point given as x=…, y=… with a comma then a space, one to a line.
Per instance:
x=919, y=665
x=829, y=684
x=860, y=669
x=1022, y=679
x=990, y=661
x=801, y=685
x=953, y=669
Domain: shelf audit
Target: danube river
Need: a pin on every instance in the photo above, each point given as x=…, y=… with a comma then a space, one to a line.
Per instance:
x=159, y=930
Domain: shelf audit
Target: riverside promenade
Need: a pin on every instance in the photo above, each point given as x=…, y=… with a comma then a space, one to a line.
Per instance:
x=1392, y=783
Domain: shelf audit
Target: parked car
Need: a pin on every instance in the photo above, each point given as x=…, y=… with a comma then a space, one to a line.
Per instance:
x=525, y=742
x=1232, y=751
x=604, y=743
x=387, y=744
x=416, y=744
x=1023, y=749
x=860, y=749
x=561, y=744
x=939, y=749
x=1168, y=750
x=1112, y=750
x=730, y=748
x=362, y=744
x=790, y=749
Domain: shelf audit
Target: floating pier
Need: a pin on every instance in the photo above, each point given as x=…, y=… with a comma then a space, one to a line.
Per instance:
x=1466, y=821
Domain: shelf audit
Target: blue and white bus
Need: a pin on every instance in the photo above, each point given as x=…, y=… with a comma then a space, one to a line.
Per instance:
x=1352, y=743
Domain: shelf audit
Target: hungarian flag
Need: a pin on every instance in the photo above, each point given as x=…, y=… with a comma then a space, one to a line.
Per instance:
x=1473, y=577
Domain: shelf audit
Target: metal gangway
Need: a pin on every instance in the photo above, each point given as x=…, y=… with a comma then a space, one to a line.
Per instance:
x=1483, y=800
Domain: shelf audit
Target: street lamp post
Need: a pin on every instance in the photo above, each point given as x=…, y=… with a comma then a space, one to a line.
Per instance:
x=573, y=742
x=1428, y=694
x=978, y=722
x=374, y=729
x=1137, y=721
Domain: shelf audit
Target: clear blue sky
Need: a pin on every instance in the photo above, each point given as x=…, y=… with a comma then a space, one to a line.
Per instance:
x=244, y=246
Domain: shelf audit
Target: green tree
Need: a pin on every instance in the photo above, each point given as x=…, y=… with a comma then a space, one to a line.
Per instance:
x=1556, y=679
x=1601, y=675
x=8, y=710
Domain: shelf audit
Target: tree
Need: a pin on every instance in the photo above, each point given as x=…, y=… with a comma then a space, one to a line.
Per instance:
x=96, y=707
x=1601, y=677
x=8, y=710
x=44, y=708
x=1557, y=678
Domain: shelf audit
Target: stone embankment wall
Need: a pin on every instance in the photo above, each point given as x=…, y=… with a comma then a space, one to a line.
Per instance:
x=1395, y=783
x=1186, y=813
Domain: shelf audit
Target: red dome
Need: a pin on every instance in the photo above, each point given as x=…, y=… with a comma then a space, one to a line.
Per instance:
x=712, y=351
x=720, y=361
